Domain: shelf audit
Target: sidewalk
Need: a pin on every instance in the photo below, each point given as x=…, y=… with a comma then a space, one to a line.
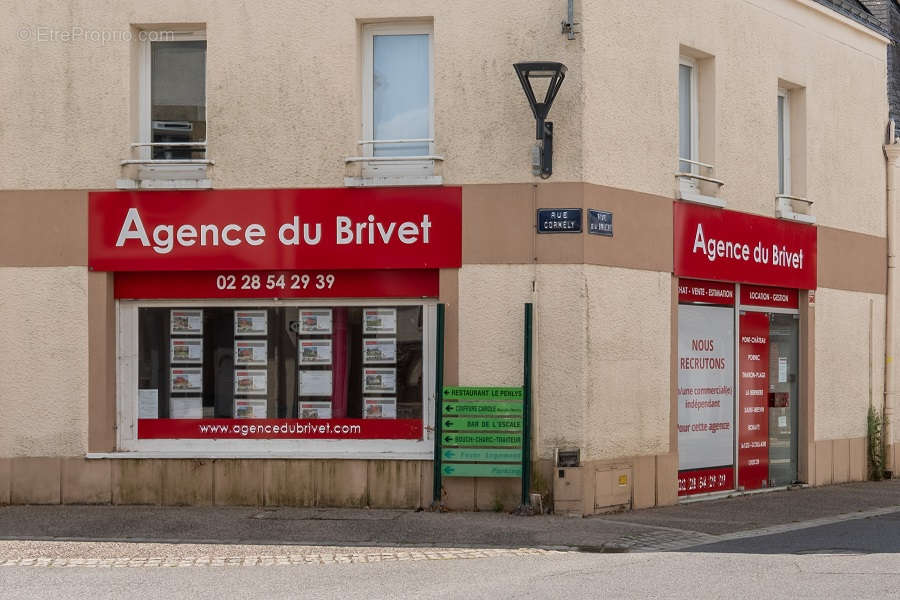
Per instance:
x=662, y=528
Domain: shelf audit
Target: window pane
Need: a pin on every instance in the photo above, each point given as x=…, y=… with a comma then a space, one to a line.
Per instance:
x=178, y=96
x=685, y=116
x=400, y=93
x=280, y=363
x=781, y=145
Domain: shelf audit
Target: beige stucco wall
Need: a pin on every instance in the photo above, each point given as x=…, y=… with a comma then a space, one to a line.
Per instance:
x=601, y=351
x=491, y=318
x=284, y=93
x=849, y=351
x=630, y=90
x=562, y=378
x=43, y=355
x=283, y=89
x=628, y=356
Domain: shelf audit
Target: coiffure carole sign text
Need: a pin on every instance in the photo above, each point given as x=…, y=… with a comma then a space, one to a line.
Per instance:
x=409, y=228
x=711, y=243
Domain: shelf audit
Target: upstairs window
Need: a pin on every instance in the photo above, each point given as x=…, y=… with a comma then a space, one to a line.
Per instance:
x=173, y=115
x=687, y=114
x=784, y=143
x=398, y=96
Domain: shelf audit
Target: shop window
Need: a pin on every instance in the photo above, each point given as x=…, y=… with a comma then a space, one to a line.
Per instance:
x=276, y=372
x=398, y=101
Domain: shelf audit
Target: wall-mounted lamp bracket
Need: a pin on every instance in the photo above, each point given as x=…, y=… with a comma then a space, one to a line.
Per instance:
x=568, y=24
x=556, y=72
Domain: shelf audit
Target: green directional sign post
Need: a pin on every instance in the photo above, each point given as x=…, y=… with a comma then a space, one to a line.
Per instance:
x=482, y=409
x=482, y=393
x=481, y=455
x=483, y=431
x=502, y=440
x=476, y=424
x=478, y=470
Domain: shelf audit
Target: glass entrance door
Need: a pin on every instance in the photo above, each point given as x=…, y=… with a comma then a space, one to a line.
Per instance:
x=783, y=393
x=768, y=371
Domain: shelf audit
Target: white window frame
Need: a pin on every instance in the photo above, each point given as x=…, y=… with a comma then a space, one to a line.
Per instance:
x=129, y=446
x=388, y=168
x=695, y=117
x=145, y=72
x=785, y=127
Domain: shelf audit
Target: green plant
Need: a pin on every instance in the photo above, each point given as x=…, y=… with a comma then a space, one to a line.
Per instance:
x=539, y=485
x=875, y=429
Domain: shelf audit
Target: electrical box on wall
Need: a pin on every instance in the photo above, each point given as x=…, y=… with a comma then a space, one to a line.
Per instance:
x=568, y=489
x=612, y=489
x=568, y=492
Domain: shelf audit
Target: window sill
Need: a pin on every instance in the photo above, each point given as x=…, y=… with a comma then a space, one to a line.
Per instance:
x=393, y=181
x=691, y=189
x=163, y=184
x=384, y=171
x=369, y=449
x=179, y=174
x=785, y=205
x=263, y=454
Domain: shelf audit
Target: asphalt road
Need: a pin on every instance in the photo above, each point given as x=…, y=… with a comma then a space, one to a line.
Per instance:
x=846, y=559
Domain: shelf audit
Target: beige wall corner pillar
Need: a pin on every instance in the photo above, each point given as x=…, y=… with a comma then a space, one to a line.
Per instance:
x=806, y=470
x=101, y=363
x=892, y=152
x=667, y=479
x=449, y=295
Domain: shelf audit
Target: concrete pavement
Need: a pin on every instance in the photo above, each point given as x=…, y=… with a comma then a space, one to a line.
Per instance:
x=681, y=526
x=834, y=542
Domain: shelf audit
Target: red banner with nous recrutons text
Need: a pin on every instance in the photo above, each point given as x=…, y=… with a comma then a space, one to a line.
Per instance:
x=712, y=243
x=290, y=229
x=283, y=429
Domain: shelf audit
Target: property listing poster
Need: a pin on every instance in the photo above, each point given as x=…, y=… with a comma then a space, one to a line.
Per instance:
x=705, y=398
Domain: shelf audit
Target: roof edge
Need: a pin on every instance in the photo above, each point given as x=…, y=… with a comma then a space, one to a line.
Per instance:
x=868, y=20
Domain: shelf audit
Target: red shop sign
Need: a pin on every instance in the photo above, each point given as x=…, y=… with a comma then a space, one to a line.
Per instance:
x=757, y=295
x=704, y=481
x=377, y=283
x=711, y=243
x=705, y=292
x=291, y=229
x=753, y=437
x=294, y=429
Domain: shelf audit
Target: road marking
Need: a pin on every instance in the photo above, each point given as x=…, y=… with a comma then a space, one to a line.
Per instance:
x=263, y=560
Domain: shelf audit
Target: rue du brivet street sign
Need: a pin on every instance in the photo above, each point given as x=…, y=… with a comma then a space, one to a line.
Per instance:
x=559, y=220
x=482, y=432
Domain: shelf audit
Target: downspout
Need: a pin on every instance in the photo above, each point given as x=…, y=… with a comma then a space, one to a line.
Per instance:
x=892, y=153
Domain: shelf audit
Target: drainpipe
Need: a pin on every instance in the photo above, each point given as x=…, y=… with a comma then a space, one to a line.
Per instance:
x=892, y=153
